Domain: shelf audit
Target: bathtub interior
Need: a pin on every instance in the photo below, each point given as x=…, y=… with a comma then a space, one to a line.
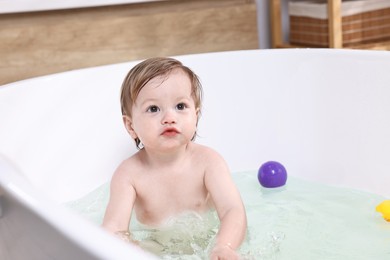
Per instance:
x=324, y=114
x=57, y=122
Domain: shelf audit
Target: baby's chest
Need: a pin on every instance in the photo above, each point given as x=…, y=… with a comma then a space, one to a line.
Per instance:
x=160, y=200
x=174, y=192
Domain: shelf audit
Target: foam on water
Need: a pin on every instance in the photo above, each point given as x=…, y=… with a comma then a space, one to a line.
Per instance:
x=302, y=220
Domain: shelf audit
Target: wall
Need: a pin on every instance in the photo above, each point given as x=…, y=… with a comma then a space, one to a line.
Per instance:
x=46, y=42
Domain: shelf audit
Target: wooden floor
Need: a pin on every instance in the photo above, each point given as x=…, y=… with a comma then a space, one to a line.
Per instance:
x=41, y=43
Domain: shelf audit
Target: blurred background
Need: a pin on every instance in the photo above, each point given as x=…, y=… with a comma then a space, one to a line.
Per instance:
x=40, y=37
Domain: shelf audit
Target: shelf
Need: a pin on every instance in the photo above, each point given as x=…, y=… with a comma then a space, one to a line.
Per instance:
x=334, y=29
x=366, y=46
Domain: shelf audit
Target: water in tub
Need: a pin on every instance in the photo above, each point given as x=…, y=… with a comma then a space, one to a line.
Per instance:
x=302, y=220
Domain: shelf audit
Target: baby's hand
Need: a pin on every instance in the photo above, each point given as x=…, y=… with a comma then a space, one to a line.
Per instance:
x=223, y=252
x=126, y=236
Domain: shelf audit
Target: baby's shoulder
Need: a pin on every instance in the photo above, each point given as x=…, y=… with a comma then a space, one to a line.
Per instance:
x=206, y=154
x=210, y=160
x=129, y=167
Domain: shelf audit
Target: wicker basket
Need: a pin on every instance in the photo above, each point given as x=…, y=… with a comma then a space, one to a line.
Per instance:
x=363, y=21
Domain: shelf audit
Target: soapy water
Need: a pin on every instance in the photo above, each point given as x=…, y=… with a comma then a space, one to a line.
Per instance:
x=301, y=220
x=188, y=235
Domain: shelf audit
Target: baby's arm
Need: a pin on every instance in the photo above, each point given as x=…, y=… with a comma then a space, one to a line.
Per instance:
x=229, y=207
x=122, y=196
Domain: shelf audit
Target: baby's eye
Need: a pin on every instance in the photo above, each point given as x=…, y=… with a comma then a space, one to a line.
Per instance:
x=181, y=106
x=153, y=109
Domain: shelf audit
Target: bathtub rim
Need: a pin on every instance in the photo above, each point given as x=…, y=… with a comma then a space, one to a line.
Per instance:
x=103, y=245
x=294, y=51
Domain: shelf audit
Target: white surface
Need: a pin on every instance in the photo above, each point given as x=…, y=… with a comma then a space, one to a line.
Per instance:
x=323, y=113
x=318, y=9
x=33, y=227
x=17, y=6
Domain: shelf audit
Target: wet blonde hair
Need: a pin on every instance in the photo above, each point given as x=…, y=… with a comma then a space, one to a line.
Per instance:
x=148, y=69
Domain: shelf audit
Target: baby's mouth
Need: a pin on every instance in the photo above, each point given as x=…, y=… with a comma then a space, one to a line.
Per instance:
x=170, y=132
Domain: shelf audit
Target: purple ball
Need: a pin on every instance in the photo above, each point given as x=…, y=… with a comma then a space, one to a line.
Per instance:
x=272, y=174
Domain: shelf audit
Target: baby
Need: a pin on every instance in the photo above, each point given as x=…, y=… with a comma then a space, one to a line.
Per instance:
x=170, y=174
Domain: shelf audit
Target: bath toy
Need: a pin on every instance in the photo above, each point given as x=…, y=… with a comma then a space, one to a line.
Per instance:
x=272, y=174
x=384, y=208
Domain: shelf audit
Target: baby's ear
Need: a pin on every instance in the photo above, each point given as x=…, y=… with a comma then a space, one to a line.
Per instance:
x=198, y=113
x=129, y=126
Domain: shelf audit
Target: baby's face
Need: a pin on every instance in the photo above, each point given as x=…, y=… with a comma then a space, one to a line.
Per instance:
x=164, y=115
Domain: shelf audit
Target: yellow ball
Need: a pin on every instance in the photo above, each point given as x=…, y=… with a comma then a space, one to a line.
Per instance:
x=384, y=208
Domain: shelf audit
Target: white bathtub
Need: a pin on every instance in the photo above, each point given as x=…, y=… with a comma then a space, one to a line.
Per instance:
x=325, y=114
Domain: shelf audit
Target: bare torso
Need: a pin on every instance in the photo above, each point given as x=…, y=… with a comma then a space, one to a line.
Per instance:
x=168, y=190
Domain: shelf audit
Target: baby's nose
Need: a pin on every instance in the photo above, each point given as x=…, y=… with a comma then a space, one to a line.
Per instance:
x=169, y=117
